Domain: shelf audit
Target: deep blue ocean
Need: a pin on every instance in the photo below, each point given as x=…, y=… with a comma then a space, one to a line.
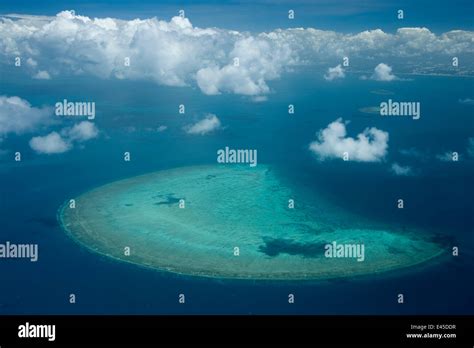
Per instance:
x=438, y=199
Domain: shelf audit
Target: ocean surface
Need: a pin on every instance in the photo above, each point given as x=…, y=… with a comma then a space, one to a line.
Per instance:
x=438, y=199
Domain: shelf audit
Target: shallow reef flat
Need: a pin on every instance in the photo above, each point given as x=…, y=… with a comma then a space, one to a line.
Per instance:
x=229, y=207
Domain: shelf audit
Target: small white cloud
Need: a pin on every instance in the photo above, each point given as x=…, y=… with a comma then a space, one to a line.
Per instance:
x=42, y=75
x=209, y=124
x=82, y=131
x=445, y=157
x=383, y=72
x=161, y=128
x=49, y=144
x=259, y=98
x=467, y=101
x=65, y=140
x=369, y=146
x=31, y=62
x=19, y=117
x=335, y=73
x=401, y=170
x=413, y=152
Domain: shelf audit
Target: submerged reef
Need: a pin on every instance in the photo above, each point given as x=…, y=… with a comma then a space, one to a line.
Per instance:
x=235, y=222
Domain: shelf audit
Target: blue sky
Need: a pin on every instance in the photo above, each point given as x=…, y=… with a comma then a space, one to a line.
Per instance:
x=261, y=15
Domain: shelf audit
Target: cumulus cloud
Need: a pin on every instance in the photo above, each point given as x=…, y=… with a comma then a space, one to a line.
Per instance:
x=335, y=73
x=383, y=72
x=400, y=170
x=369, y=146
x=170, y=53
x=31, y=62
x=19, y=117
x=42, y=75
x=229, y=79
x=49, y=144
x=80, y=132
x=207, y=125
x=161, y=128
x=176, y=53
x=64, y=141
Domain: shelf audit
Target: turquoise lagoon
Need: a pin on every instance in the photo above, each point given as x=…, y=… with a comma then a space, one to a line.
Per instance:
x=228, y=207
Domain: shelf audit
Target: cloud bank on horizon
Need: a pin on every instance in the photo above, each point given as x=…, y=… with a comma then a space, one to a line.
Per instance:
x=175, y=53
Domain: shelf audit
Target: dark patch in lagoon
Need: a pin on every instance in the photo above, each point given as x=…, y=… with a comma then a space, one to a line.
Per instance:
x=129, y=204
x=276, y=246
x=308, y=229
x=394, y=250
x=169, y=200
x=442, y=239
